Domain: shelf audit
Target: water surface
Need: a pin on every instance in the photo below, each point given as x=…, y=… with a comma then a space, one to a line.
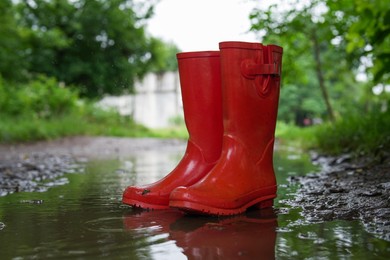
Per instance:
x=85, y=219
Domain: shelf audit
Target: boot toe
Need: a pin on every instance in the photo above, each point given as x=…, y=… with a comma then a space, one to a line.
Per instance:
x=145, y=198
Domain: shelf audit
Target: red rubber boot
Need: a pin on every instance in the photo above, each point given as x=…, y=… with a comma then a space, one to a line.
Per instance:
x=200, y=81
x=244, y=175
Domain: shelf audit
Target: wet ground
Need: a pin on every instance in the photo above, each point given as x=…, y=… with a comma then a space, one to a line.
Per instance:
x=38, y=166
x=347, y=189
x=340, y=213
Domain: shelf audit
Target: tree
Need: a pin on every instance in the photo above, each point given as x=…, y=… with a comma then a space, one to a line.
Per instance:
x=367, y=38
x=369, y=32
x=310, y=35
x=12, y=62
x=163, y=56
x=100, y=46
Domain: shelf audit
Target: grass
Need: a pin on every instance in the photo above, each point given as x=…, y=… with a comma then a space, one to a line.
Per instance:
x=367, y=134
x=292, y=135
x=43, y=109
x=22, y=129
x=91, y=121
x=359, y=135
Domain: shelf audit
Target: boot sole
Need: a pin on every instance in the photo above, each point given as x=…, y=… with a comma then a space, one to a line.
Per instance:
x=144, y=205
x=196, y=208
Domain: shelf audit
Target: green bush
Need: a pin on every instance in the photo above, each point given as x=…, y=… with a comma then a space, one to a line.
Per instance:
x=89, y=120
x=25, y=128
x=357, y=134
x=290, y=134
x=41, y=98
x=44, y=109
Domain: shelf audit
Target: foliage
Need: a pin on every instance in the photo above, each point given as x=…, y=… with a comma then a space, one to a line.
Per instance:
x=41, y=98
x=88, y=121
x=299, y=137
x=91, y=121
x=12, y=61
x=46, y=109
x=318, y=39
x=357, y=134
x=101, y=47
x=166, y=58
x=88, y=43
x=370, y=32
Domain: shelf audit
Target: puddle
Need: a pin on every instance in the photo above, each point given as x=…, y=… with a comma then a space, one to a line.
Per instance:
x=85, y=219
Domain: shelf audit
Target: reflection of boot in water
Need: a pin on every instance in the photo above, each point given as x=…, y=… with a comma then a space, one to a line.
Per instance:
x=249, y=236
x=155, y=222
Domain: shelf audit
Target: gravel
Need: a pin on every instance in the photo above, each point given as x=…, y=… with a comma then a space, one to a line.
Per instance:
x=36, y=172
x=347, y=189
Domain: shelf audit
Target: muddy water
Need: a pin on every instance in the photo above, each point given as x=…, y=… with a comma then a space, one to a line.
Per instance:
x=84, y=218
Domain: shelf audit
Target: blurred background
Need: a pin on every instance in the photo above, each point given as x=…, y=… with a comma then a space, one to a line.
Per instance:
x=94, y=67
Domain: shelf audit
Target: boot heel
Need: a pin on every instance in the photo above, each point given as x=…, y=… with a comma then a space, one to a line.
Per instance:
x=264, y=204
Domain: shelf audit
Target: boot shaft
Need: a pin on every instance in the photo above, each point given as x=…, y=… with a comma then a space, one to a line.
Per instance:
x=250, y=84
x=200, y=81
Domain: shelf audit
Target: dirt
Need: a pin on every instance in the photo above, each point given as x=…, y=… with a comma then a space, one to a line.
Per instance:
x=346, y=188
x=90, y=147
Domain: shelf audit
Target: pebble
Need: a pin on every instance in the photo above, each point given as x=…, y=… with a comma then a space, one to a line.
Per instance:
x=26, y=173
x=343, y=190
x=32, y=201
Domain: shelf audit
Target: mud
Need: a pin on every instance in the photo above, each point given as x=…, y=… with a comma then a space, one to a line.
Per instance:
x=347, y=188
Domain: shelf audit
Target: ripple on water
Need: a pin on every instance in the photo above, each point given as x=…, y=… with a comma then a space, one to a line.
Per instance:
x=106, y=224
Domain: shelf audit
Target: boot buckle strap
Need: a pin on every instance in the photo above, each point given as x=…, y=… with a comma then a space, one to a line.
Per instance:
x=250, y=69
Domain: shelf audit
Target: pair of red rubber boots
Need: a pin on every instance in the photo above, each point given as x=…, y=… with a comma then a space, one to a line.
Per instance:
x=230, y=100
